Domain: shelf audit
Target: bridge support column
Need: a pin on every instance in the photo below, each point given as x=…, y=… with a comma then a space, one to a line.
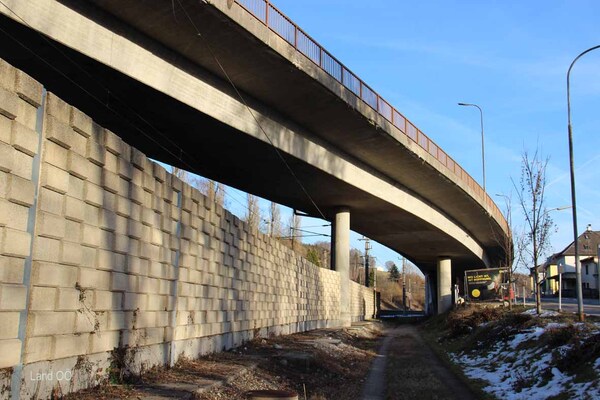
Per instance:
x=444, y=285
x=340, y=260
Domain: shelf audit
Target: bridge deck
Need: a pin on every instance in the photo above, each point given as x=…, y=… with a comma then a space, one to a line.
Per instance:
x=290, y=93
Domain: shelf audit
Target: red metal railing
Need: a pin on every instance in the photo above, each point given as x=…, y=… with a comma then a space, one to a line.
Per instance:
x=279, y=23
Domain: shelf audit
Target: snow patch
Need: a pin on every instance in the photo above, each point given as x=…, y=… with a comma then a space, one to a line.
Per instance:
x=526, y=336
x=543, y=314
x=556, y=325
x=525, y=373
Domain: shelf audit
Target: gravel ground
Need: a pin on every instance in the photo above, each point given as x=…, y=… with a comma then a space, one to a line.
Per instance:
x=324, y=364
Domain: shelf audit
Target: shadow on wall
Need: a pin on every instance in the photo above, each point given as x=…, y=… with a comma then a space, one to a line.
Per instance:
x=133, y=267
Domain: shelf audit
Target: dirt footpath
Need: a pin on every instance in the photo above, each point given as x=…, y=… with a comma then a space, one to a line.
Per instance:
x=413, y=371
x=327, y=364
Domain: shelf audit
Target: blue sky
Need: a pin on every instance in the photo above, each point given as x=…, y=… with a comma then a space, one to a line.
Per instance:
x=509, y=57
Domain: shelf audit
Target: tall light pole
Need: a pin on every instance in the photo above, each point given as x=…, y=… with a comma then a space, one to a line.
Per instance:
x=367, y=248
x=573, y=199
x=482, y=141
x=508, y=246
x=546, y=212
x=560, y=272
x=598, y=272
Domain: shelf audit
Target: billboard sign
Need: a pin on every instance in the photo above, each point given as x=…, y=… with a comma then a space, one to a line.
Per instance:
x=485, y=284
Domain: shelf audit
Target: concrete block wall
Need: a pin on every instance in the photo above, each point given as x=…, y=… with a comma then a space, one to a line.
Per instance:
x=20, y=97
x=363, y=302
x=102, y=249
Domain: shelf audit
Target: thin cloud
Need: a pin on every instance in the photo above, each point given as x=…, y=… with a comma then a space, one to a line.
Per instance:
x=566, y=175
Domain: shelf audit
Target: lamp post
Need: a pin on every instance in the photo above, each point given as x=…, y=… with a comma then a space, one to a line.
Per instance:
x=560, y=272
x=573, y=199
x=367, y=248
x=557, y=209
x=482, y=141
x=560, y=266
x=598, y=272
x=509, y=249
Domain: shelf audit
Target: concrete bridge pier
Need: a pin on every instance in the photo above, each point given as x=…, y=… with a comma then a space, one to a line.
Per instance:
x=340, y=260
x=444, y=285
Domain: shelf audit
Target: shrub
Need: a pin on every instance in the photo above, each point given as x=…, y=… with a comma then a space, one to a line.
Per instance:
x=581, y=351
x=464, y=321
x=556, y=337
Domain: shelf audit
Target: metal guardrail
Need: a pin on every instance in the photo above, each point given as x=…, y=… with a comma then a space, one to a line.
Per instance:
x=279, y=23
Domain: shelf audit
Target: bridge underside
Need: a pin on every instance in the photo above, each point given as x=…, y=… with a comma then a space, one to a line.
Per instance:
x=175, y=133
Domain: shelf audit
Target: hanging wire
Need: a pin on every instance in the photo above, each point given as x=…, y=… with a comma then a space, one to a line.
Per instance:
x=179, y=151
x=243, y=100
x=310, y=232
x=301, y=236
x=177, y=154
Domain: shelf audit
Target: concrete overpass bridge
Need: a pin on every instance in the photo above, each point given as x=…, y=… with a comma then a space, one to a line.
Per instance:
x=216, y=86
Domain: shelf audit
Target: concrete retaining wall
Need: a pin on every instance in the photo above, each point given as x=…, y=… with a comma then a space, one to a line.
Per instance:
x=363, y=302
x=107, y=260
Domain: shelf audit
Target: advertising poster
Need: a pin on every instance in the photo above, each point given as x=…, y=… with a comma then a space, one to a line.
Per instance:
x=485, y=284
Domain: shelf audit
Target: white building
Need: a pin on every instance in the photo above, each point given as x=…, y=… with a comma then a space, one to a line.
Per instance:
x=588, y=243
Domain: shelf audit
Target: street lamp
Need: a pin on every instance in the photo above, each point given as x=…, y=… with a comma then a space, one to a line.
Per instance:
x=573, y=200
x=598, y=272
x=482, y=141
x=508, y=246
x=560, y=266
x=557, y=209
x=560, y=272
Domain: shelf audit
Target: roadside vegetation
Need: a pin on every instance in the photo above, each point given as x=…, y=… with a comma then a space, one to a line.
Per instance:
x=518, y=354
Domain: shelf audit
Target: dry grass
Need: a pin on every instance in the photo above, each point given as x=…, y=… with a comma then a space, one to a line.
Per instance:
x=333, y=365
x=473, y=330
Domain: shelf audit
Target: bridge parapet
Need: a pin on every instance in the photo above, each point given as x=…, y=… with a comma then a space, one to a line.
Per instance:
x=348, y=150
x=270, y=16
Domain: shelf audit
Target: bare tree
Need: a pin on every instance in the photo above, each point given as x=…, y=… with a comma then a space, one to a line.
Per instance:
x=181, y=174
x=357, y=273
x=252, y=217
x=324, y=249
x=214, y=190
x=275, y=225
x=294, y=226
x=538, y=224
x=187, y=177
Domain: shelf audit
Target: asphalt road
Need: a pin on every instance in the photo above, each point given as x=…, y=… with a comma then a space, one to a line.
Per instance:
x=590, y=307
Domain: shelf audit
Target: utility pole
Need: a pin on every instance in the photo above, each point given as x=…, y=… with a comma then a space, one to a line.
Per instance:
x=560, y=272
x=375, y=277
x=367, y=248
x=374, y=268
x=403, y=283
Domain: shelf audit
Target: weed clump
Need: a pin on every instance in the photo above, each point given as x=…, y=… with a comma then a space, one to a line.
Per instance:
x=518, y=320
x=556, y=337
x=581, y=351
x=464, y=321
